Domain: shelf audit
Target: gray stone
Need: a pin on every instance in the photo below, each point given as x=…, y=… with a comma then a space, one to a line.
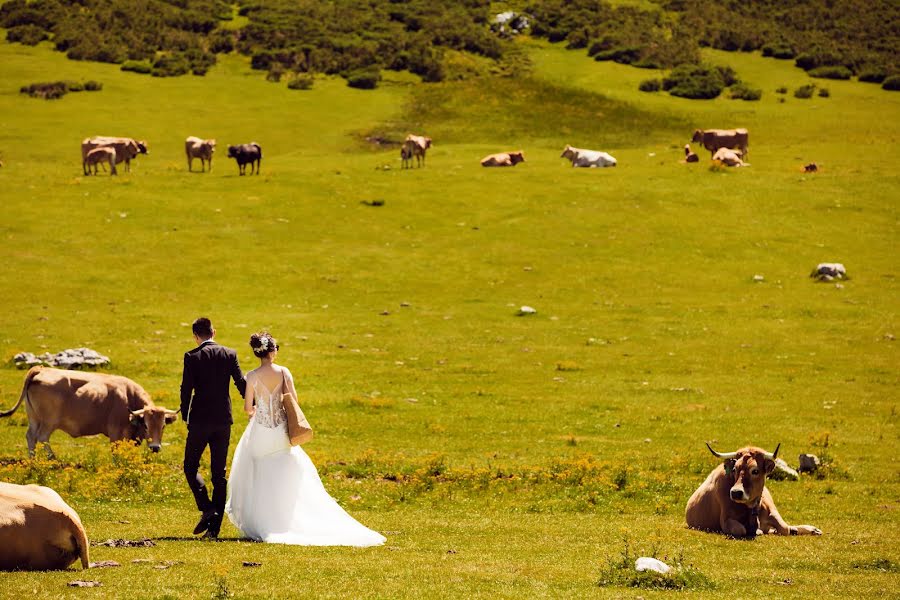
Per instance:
x=809, y=463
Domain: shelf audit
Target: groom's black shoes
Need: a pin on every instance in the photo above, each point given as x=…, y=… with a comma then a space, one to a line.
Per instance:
x=215, y=523
x=206, y=521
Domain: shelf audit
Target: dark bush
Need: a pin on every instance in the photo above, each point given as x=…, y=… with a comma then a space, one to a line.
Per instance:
x=824, y=93
x=622, y=54
x=276, y=70
x=137, y=66
x=92, y=86
x=873, y=75
x=74, y=86
x=891, y=83
x=170, y=65
x=29, y=35
x=650, y=85
x=363, y=79
x=805, y=91
x=301, y=81
x=817, y=57
x=694, y=81
x=50, y=90
x=729, y=76
x=831, y=72
x=221, y=41
x=780, y=50
x=742, y=91
x=781, y=90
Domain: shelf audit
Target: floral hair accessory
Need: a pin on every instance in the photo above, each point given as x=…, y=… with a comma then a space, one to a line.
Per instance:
x=264, y=343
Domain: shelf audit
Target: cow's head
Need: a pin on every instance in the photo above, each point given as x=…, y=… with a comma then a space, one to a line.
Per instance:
x=427, y=142
x=211, y=145
x=232, y=151
x=142, y=147
x=569, y=153
x=150, y=421
x=516, y=157
x=698, y=136
x=747, y=469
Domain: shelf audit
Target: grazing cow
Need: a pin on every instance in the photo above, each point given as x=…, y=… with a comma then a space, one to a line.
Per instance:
x=503, y=159
x=713, y=139
x=588, y=158
x=127, y=149
x=416, y=145
x=729, y=157
x=98, y=156
x=246, y=153
x=690, y=157
x=87, y=404
x=734, y=498
x=38, y=530
x=195, y=147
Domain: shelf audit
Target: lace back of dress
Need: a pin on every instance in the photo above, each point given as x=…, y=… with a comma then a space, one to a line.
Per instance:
x=269, y=410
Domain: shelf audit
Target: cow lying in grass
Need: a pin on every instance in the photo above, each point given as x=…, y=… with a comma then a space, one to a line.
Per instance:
x=38, y=530
x=734, y=498
x=588, y=158
x=503, y=159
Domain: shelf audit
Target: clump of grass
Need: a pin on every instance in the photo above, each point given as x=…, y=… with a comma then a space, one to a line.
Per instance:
x=805, y=91
x=877, y=564
x=620, y=572
x=373, y=400
x=567, y=365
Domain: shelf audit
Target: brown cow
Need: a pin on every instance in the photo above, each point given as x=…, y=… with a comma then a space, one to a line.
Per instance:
x=503, y=159
x=38, y=530
x=734, y=498
x=127, y=149
x=729, y=157
x=713, y=139
x=87, y=404
x=415, y=145
x=195, y=147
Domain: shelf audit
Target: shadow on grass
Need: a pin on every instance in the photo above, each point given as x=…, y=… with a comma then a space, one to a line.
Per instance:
x=176, y=538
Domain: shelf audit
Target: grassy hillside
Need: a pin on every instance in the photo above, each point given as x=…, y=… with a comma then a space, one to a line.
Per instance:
x=502, y=456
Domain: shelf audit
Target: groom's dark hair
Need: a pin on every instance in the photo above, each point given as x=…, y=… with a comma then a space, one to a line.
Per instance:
x=202, y=328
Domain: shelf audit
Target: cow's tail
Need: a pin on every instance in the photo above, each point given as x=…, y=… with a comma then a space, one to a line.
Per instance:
x=258, y=147
x=80, y=538
x=32, y=372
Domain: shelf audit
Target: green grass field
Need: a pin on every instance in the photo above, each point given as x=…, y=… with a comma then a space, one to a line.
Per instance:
x=502, y=456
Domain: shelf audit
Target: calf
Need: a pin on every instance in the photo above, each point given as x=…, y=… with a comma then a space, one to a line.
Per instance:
x=503, y=159
x=98, y=156
x=246, y=154
x=690, y=157
x=38, y=530
x=734, y=498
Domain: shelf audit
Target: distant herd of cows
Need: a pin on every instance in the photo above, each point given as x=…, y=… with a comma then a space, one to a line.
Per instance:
x=729, y=147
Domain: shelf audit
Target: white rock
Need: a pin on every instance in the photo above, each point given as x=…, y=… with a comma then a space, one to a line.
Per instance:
x=645, y=563
x=526, y=310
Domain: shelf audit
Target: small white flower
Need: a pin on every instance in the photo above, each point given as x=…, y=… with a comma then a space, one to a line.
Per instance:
x=264, y=344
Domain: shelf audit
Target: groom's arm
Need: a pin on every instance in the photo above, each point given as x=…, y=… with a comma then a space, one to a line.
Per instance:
x=187, y=388
x=237, y=376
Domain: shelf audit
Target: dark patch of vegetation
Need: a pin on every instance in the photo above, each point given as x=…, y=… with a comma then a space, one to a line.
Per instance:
x=29, y=35
x=742, y=91
x=873, y=75
x=831, y=72
x=824, y=93
x=805, y=91
x=301, y=81
x=364, y=79
x=650, y=85
x=781, y=90
x=891, y=83
x=885, y=565
x=137, y=66
x=620, y=572
x=53, y=90
x=694, y=81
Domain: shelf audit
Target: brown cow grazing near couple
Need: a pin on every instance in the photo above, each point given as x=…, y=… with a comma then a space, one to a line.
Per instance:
x=87, y=404
x=734, y=498
x=38, y=530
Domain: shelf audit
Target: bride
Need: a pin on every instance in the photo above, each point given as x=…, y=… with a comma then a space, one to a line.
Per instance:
x=274, y=492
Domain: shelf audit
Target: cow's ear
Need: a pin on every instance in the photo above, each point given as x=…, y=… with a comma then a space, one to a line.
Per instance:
x=768, y=465
x=729, y=466
x=171, y=418
x=137, y=420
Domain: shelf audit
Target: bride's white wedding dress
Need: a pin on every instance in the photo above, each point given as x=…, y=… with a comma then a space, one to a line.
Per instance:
x=274, y=491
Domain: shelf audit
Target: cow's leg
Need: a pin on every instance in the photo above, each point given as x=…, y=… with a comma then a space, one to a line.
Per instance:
x=31, y=438
x=258, y=163
x=39, y=435
x=734, y=528
x=771, y=519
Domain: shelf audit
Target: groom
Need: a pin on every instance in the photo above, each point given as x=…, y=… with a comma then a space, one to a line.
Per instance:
x=206, y=408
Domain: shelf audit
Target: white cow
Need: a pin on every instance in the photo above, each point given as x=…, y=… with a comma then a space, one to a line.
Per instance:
x=588, y=158
x=196, y=147
x=729, y=157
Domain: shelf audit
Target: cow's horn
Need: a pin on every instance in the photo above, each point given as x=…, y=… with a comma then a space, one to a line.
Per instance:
x=138, y=413
x=721, y=454
x=773, y=454
x=171, y=412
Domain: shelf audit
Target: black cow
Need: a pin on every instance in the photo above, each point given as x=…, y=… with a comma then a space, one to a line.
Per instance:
x=246, y=153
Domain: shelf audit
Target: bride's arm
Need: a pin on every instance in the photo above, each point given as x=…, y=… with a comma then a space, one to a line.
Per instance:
x=249, y=408
x=290, y=381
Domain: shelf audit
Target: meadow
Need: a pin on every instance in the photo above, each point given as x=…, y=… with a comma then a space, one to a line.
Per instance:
x=502, y=456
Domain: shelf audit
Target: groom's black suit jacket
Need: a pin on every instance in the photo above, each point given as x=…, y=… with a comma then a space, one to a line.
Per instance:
x=205, y=401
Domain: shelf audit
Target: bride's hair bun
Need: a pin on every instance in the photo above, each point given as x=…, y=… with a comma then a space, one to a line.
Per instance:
x=262, y=343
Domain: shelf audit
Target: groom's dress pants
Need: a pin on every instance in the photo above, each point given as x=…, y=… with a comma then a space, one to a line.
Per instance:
x=217, y=438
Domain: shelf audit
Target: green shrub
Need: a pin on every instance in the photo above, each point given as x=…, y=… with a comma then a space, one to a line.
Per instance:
x=742, y=91
x=729, y=75
x=781, y=90
x=51, y=90
x=805, y=91
x=650, y=85
x=873, y=75
x=780, y=50
x=29, y=35
x=824, y=93
x=92, y=86
x=891, y=83
x=137, y=66
x=831, y=72
x=74, y=86
x=694, y=81
x=363, y=79
x=170, y=65
x=301, y=81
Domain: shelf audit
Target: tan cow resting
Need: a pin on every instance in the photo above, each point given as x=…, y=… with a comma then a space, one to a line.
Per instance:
x=38, y=530
x=195, y=147
x=713, y=139
x=503, y=159
x=87, y=404
x=734, y=498
x=414, y=146
x=729, y=157
x=98, y=156
x=127, y=149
